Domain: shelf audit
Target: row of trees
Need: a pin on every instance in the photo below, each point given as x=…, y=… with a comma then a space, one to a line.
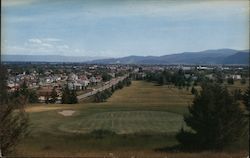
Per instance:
x=31, y=95
x=215, y=119
x=180, y=79
x=104, y=95
x=166, y=77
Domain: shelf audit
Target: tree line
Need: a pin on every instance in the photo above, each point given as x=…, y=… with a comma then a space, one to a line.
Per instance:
x=165, y=77
x=182, y=79
x=104, y=95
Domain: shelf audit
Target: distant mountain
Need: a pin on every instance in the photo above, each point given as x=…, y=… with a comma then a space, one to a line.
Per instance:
x=221, y=56
x=240, y=57
x=46, y=58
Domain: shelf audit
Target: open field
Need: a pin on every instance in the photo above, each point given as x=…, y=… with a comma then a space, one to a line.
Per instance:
x=144, y=116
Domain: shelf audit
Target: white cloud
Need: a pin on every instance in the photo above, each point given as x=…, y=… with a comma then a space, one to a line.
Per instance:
x=41, y=46
x=8, y=3
x=35, y=40
x=52, y=39
x=184, y=10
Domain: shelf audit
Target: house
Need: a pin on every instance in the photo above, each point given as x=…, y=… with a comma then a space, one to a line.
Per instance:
x=186, y=68
x=75, y=86
x=92, y=80
x=13, y=86
x=210, y=76
x=72, y=77
x=187, y=76
x=204, y=68
x=235, y=77
x=112, y=74
x=98, y=78
x=43, y=93
x=84, y=83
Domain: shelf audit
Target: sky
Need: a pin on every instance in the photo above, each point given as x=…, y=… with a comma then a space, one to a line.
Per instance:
x=117, y=28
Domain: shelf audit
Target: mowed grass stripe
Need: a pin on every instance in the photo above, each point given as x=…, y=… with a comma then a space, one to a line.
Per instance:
x=128, y=122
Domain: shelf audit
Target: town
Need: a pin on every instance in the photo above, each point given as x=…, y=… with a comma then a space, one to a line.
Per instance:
x=46, y=81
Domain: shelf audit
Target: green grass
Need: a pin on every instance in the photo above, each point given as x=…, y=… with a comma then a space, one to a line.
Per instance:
x=124, y=122
x=144, y=116
x=140, y=107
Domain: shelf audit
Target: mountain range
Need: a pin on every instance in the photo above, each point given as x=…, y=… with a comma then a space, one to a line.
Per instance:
x=46, y=58
x=220, y=56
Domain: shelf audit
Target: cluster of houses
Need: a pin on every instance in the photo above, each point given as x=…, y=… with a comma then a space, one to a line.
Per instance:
x=86, y=77
x=44, y=78
x=44, y=85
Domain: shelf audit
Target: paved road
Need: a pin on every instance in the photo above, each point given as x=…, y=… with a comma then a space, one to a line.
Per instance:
x=107, y=85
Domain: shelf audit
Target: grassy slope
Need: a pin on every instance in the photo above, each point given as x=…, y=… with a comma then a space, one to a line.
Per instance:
x=142, y=107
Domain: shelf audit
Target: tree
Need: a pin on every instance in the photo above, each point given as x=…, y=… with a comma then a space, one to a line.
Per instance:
x=230, y=81
x=215, y=118
x=47, y=98
x=119, y=85
x=65, y=95
x=33, y=98
x=53, y=96
x=194, y=91
x=237, y=94
x=246, y=99
x=13, y=119
x=106, y=77
x=69, y=96
x=24, y=90
x=73, y=97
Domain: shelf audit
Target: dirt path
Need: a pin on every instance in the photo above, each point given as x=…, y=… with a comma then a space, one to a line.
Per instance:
x=42, y=108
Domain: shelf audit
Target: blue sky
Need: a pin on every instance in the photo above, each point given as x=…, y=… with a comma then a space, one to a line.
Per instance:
x=116, y=28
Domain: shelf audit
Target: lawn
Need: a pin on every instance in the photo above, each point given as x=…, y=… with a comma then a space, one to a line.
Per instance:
x=144, y=117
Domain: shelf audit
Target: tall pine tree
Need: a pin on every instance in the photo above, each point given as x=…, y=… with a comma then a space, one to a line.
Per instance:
x=215, y=118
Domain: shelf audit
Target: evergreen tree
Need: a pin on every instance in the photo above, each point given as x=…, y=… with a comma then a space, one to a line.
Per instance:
x=230, y=81
x=33, y=98
x=24, y=90
x=53, y=96
x=106, y=77
x=215, y=118
x=69, y=96
x=47, y=98
x=65, y=95
x=73, y=97
x=194, y=91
